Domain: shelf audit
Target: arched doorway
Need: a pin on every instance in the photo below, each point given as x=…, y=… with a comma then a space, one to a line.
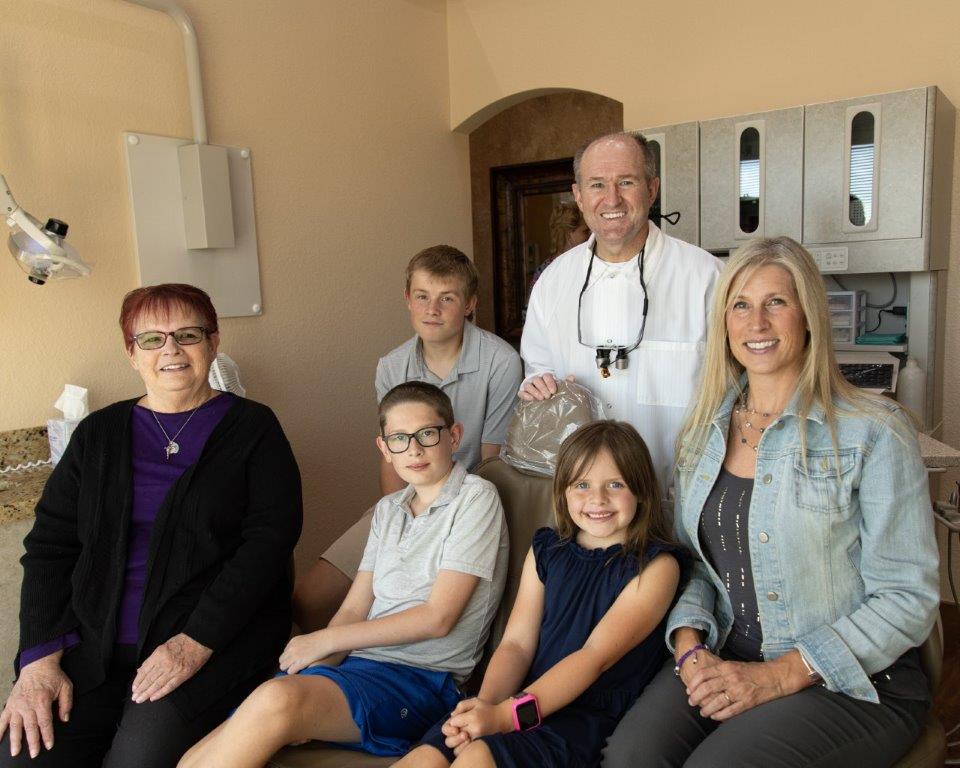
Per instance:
x=535, y=140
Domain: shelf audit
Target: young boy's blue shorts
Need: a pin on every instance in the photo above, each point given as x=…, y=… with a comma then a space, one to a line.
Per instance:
x=393, y=705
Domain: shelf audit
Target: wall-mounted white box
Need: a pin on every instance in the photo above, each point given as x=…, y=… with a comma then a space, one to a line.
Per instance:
x=230, y=275
x=205, y=187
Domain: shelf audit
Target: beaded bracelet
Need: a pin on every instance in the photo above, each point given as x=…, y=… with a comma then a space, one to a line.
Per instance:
x=685, y=656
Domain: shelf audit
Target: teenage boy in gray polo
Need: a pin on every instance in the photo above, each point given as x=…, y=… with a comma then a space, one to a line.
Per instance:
x=478, y=371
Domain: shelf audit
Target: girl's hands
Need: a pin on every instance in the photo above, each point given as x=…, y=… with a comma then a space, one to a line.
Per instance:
x=473, y=718
x=456, y=739
x=305, y=650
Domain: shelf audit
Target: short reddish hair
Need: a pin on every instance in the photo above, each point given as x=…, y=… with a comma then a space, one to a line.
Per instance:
x=161, y=300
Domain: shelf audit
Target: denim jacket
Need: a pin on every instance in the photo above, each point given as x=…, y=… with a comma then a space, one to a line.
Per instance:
x=846, y=570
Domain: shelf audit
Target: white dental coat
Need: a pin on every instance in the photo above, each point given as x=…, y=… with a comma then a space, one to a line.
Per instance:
x=660, y=381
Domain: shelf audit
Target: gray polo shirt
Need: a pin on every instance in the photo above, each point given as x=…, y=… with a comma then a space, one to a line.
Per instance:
x=463, y=530
x=482, y=386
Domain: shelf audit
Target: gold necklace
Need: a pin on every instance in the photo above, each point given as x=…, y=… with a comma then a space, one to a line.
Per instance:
x=751, y=425
x=742, y=411
x=743, y=436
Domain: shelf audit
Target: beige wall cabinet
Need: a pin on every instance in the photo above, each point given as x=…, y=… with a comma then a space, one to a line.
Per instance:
x=871, y=177
x=751, y=177
x=677, y=148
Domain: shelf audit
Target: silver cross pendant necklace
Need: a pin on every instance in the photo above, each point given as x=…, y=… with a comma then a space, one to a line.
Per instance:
x=172, y=445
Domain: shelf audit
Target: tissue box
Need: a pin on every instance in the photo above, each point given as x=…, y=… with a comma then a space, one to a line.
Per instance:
x=58, y=433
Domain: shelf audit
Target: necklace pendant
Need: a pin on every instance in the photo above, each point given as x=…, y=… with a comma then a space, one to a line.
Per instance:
x=171, y=449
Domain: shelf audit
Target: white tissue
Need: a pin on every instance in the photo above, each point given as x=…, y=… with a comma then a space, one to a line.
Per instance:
x=72, y=403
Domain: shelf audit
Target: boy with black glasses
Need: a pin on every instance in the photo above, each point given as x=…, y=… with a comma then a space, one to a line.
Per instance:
x=415, y=621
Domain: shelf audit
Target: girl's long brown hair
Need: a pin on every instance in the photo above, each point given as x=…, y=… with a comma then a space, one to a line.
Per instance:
x=632, y=458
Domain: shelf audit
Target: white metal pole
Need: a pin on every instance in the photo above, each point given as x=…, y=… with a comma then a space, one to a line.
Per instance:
x=192, y=53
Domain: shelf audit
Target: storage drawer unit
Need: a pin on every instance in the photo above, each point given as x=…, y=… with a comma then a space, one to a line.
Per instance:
x=848, y=314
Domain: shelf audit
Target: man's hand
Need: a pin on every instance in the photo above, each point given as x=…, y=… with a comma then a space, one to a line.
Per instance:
x=169, y=667
x=28, y=708
x=541, y=387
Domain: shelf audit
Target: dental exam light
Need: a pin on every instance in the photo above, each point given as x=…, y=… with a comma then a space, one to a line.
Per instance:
x=40, y=251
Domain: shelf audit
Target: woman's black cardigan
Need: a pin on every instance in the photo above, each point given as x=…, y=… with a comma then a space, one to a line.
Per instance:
x=218, y=567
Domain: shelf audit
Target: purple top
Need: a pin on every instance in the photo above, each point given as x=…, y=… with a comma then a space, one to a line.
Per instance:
x=153, y=476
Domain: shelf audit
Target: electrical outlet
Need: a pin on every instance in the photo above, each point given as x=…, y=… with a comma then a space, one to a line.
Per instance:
x=831, y=259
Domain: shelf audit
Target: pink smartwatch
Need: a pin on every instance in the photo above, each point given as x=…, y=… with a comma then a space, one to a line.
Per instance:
x=526, y=711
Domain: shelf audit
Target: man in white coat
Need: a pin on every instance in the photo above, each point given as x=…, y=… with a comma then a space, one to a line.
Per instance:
x=593, y=297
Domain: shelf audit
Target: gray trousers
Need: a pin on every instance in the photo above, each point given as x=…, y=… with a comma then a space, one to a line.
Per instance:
x=811, y=728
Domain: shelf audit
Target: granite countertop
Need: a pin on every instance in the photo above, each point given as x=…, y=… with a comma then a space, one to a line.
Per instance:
x=19, y=446
x=20, y=491
x=937, y=455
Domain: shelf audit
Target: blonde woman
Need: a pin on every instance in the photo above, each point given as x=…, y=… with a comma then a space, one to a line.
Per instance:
x=806, y=504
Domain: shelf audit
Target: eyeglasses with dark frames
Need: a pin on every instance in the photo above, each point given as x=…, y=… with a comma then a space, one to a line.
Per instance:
x=148, y=340
x=427, y=437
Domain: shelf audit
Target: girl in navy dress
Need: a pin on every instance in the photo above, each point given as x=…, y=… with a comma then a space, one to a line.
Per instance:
x=586, y=631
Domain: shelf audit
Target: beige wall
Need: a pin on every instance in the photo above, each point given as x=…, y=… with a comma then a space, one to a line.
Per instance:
x=345, y=108
x=694, y=60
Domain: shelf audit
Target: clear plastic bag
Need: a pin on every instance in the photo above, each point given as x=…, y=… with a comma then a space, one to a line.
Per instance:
x=540, y=426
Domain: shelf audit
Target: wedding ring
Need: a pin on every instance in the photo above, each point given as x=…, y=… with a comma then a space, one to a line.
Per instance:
x=727, y=697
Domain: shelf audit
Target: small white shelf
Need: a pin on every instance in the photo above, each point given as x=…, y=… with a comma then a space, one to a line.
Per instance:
x=840, y=346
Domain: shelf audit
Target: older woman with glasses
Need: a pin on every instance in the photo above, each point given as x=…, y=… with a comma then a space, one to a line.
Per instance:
x=156, y=588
